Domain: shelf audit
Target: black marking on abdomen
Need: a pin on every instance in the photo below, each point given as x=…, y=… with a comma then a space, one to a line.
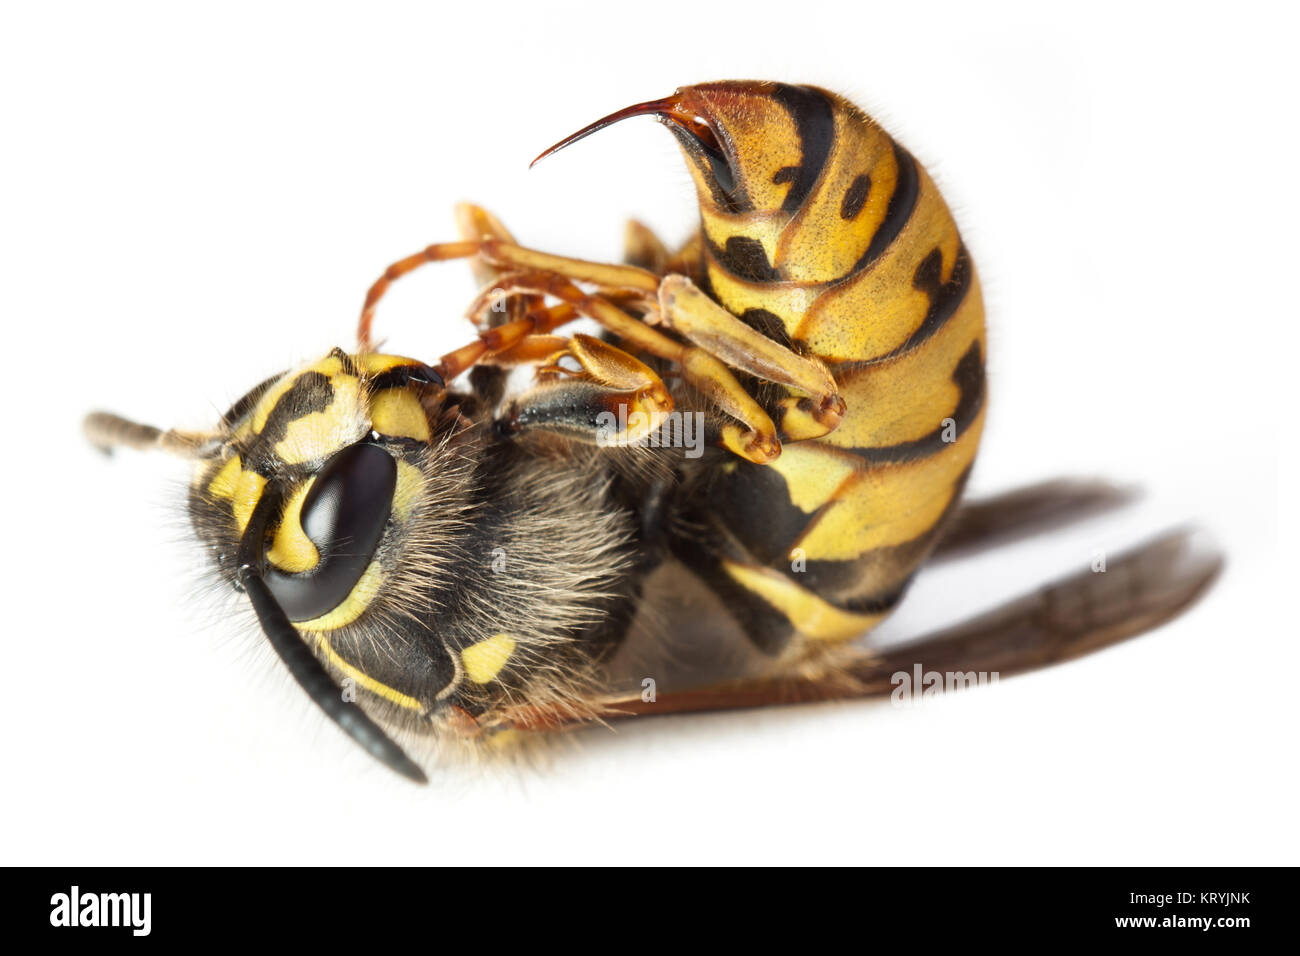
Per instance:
x=815, y=120
x=754, y=504
x=745, y=258
x=755, y=495
x=902, y=203
x=876, y=580
x=855, y=197
x=767, y=628
x=945, y=298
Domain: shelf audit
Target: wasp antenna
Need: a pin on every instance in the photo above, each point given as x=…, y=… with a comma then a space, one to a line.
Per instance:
x=297, y=656
x=107, y=431
x=659, y=108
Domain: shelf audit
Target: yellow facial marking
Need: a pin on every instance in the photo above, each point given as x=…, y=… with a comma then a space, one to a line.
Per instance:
x=397, y=413
x=248, y=491
x=366, y=681
x=226, y=480
x=319, y=434
x=291, y=550
x=810, y=615
x=484, y=660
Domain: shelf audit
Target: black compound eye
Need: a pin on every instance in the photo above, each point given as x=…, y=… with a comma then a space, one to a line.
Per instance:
x=344, y=515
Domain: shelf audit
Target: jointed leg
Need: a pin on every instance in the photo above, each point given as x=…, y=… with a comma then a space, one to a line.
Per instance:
x=475, y=222
x=535, y=350
x=687, y=260
x=685, y=309
x=755, y=441
x=614, y=399
x=602, y=274
x=719, y=337
x=545, y=318
x=505, y=255
x=608, y=382
x=439, y=252
x=643, y=249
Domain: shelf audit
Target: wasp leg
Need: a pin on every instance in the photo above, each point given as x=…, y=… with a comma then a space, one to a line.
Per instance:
x=107, y=431
x=475, y=222
x=539, y=274
x=1009, y=517
x=685, y=309
x=499, y=252
x=754, y=439
x=530, y=350
x=687, y=260
x=604, y=275
x=439, y=252
x=614, y=399
x=643, y=249
x=1086, y=612
x=545, y=318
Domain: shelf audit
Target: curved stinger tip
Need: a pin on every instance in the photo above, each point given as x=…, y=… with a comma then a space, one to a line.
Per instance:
x=660, y=108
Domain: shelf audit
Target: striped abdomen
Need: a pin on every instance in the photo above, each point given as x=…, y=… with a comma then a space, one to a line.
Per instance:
x=827, y=235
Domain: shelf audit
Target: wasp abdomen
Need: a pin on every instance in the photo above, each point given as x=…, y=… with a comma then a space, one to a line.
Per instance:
x=833, y=239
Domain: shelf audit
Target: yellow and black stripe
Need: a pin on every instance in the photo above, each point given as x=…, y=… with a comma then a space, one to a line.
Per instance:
x=831, y=238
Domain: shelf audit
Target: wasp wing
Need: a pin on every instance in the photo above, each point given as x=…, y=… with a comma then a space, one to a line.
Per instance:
x=1076, y=615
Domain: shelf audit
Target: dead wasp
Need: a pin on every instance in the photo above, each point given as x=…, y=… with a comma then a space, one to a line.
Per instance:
x=466, y=560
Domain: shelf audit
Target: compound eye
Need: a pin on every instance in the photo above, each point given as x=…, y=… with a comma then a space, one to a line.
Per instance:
x=344, y=515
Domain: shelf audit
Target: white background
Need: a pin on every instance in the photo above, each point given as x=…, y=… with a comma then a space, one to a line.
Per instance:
x=193, y=199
